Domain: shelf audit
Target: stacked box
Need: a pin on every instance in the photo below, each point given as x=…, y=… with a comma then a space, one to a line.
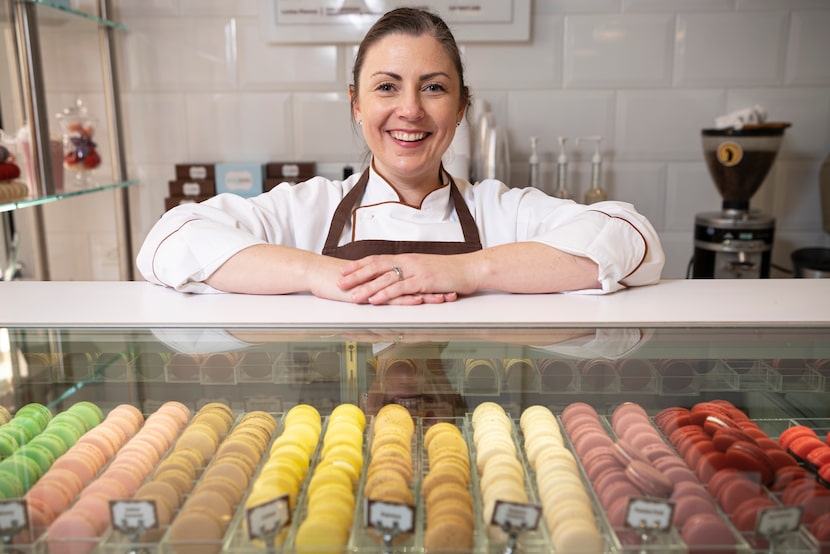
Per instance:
x=288, y=172
x=194, y=182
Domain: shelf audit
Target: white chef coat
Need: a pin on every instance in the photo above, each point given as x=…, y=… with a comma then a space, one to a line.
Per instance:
x=191, y=241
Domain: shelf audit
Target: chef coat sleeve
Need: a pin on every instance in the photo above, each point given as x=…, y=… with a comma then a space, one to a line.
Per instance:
x=192, y=241
x=621, y=241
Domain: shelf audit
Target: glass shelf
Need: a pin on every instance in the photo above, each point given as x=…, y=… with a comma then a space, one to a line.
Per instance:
x=28, y=202
x=61, y=7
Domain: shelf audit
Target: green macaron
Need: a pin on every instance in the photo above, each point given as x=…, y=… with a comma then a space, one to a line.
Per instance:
x=91, y=413
x=30, y=425
x=8, y=444
x=25, y=469
x=72, y=419
x=52, y=442
x=39, y=412
x=42, y=456
x=10, y=486
x=18, y=432
x=64, y=431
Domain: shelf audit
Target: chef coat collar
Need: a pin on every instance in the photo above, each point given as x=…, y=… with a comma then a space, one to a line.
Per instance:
x=379, y=190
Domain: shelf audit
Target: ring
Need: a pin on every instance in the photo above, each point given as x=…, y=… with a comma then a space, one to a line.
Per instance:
x=398, y=272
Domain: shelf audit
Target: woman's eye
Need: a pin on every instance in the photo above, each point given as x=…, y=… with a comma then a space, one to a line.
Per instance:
x=385, y=87
x=435, y=87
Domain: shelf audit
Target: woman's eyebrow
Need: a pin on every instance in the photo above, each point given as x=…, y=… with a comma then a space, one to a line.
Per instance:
x=425, y=77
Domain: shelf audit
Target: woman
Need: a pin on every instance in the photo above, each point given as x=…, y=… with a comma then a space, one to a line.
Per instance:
x=405, y=231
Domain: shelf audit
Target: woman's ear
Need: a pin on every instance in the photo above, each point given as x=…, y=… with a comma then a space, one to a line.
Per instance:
x=353, y=103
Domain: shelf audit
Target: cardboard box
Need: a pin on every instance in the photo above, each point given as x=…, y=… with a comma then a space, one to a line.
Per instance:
x=196, y=171
x=244, y=179
x=172, y=202
x=192, y=187
x=290, y=171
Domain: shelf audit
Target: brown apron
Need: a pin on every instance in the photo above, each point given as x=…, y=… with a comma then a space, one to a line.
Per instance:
x=362, y=248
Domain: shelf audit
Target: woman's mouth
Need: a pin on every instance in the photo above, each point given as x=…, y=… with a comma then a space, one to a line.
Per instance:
x=408, y=136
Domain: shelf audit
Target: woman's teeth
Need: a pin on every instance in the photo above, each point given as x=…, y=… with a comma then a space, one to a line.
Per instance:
x=407, y=137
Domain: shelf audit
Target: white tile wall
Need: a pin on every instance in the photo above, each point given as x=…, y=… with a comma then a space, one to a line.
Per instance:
x=199, y=83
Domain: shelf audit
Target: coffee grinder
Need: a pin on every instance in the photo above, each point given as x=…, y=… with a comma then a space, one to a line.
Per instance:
x=736, y=242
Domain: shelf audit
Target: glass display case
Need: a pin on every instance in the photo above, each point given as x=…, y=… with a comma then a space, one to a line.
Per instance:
x=697, y=390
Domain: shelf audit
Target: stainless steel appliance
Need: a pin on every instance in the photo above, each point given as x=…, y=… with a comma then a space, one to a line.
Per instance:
x=736, y=242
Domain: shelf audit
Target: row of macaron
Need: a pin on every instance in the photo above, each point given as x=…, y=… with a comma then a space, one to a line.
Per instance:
x=744, y=468
x=194, y=468
x=624, y=419
x=34, y=439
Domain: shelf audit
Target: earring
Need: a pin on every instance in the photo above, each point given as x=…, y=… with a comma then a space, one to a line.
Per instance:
x=360, y=122
x=458, y=124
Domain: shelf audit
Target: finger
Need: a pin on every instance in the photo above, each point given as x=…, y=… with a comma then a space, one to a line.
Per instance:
x=384, y=275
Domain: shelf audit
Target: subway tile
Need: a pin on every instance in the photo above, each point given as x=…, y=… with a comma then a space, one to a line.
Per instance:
x=143, y=8
x=248, y=127
x=147, y=198
x=809, y=45
x=808, y=109
x=723, y=49
x=180, y=54
x=779, y=4
x=664, y=125
x=69, y=257
x=103, y=248
x=554, y=113
x=323, y=128
x=641, y=184
x=677, y=5
x=797, y=199
x=618, y=50
x=679, y=249
x=575, y=6
x=522, y=65
x=196, y=8
x=71, y=58
x=156, y=139
x=272, y=66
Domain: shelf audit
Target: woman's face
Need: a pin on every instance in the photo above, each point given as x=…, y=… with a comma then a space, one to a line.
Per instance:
x=409, y=105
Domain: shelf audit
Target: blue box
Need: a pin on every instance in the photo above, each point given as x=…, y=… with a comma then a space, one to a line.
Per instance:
x=244, y=179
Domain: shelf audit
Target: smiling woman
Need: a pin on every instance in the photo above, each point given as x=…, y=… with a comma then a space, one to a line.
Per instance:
x=405, y=231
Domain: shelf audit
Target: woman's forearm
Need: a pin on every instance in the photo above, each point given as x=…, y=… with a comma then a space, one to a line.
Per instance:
x=274, y=269
x=531, y=267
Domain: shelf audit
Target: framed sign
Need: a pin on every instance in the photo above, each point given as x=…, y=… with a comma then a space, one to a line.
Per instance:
x=339, y=21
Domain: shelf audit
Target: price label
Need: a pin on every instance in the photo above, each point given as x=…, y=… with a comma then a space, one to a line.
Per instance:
x=268, y=518
x=649, y=514
x=390, y=515
x=516, y=516
x=13, y=516
x=129, y=516
x=779, y=519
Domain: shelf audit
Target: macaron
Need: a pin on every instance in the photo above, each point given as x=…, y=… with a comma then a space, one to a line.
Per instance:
x=8, y=444
x=707, y=530
x=648, y=479
x=89, y=412
x=37, y=411
x=73, y=532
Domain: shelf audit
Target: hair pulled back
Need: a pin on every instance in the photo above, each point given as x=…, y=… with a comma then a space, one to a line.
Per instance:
x=414, y=22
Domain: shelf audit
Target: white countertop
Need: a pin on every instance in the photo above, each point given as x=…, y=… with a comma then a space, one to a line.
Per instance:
x=744, y=303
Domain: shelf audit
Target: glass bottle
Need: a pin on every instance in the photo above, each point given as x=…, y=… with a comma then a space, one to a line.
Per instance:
x=80, y=154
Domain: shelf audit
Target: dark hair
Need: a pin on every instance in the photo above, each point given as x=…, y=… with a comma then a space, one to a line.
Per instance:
x=414, y=22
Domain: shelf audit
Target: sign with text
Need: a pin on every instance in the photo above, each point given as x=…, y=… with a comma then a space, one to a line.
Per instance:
x=335, y=21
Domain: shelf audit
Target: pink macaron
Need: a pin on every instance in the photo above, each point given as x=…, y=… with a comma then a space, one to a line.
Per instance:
x=649, y=479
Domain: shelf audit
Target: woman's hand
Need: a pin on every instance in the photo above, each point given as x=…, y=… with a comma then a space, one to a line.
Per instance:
x=405, y=279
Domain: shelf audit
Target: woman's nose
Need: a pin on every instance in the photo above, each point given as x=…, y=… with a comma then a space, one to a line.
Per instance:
x=410, y=106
